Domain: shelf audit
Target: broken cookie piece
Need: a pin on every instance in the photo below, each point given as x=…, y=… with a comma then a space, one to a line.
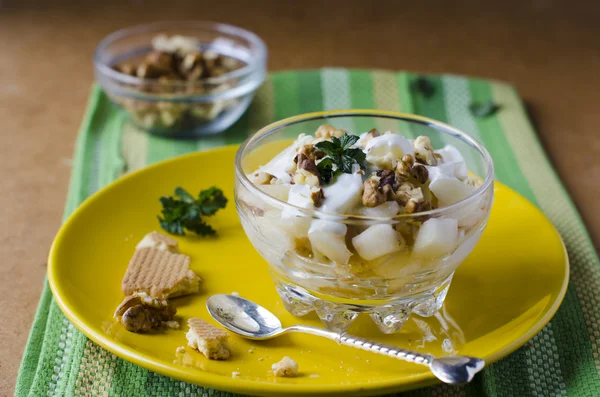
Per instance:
x=160, y=274
x=208, y=339
x=142, y=313
x=285, y=368
x=159, y=241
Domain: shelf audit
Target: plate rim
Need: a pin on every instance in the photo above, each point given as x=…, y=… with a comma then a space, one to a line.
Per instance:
x=219, y=382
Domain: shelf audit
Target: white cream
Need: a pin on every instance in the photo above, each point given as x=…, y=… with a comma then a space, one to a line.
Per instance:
x=386, y=150
x=454, y=163
x=282, y=165
x=343, y=194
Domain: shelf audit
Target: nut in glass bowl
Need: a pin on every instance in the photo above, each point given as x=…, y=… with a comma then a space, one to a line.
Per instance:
x=181, y=79
x=373, y=223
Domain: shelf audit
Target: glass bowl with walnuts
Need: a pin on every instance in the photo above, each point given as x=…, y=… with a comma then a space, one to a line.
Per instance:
x=363, y=211
x=181, y=79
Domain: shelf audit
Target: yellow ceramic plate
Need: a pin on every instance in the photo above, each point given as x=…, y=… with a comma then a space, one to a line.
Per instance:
x=505, y=292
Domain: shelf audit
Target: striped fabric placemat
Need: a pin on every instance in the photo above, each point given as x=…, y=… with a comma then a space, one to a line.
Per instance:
x=563, y=359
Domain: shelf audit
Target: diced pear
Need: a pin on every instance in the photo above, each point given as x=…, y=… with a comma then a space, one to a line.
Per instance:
x=454, y=163
x=437, y=237
x=294, y=220
x=343, y=194
x=385, y=210
x=470, y=214
x=269, y=238
x=328, y=238
x=465, y=247
x=449, y=190
x=395, y=266
x=376, y=241
x=280, y=191
x=451, y=154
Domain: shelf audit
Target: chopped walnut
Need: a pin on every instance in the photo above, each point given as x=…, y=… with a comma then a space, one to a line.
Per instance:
x=408, y=170
x=326, y=131
x=308, y=152
x=139, y=319
x=261, y=178
x=372, y=195
x=373, y=132
x=420, y=173
x=403, y=193
x=308, y=165
x=424, y=152
x=415, y=205
x=317, y=197
x=388, y=177
x=142, y=313
x=305, y=177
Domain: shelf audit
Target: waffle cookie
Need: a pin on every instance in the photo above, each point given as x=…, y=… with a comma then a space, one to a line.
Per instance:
x=208, y=339
x=159, y=241
x=160, y=274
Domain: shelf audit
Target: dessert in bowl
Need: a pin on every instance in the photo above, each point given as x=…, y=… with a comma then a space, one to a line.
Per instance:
x=181, y=79
x=363, y=211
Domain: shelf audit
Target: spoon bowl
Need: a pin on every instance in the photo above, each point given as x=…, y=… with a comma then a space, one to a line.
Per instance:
x=244, y=317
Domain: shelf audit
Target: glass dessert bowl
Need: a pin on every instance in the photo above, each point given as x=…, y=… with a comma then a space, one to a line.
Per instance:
x=374, y=223
x=182, y=79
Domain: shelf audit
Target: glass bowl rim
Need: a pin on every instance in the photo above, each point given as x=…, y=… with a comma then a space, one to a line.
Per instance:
x=255, y=65
x=438, y=125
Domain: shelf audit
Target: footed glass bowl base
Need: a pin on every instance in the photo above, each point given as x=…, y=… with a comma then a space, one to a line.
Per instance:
x=389, y=316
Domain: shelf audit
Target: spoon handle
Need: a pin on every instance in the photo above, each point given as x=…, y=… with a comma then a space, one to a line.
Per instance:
x=386, y=350
x=364, y=344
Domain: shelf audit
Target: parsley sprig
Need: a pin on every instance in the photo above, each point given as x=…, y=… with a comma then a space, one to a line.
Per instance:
x=183, y=211
x=339, y=152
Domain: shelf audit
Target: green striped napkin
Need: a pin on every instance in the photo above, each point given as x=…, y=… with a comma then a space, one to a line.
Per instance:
x=563, y=359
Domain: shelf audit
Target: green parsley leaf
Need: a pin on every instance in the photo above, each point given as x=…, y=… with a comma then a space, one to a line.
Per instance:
x=183, y=195
x=346, y=141
x=327, y=147
x=484, y=109
x=183, y=211
x=346, y=164
x=325, y=168
x=341, y=153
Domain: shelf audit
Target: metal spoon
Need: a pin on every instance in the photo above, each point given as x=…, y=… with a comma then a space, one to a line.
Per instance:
x=252, y=321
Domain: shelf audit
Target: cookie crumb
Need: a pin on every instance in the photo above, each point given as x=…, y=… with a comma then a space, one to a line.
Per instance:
x=285, y=368
x=235, y=293
x=235, y=374
x=251, y=350
x=181, y=349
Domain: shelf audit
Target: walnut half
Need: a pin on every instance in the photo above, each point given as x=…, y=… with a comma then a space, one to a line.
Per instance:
x=142, y=313
x=326, y=131
x=424, y=151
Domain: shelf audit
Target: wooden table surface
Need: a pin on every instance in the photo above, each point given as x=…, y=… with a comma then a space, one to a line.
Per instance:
x=550, y=52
